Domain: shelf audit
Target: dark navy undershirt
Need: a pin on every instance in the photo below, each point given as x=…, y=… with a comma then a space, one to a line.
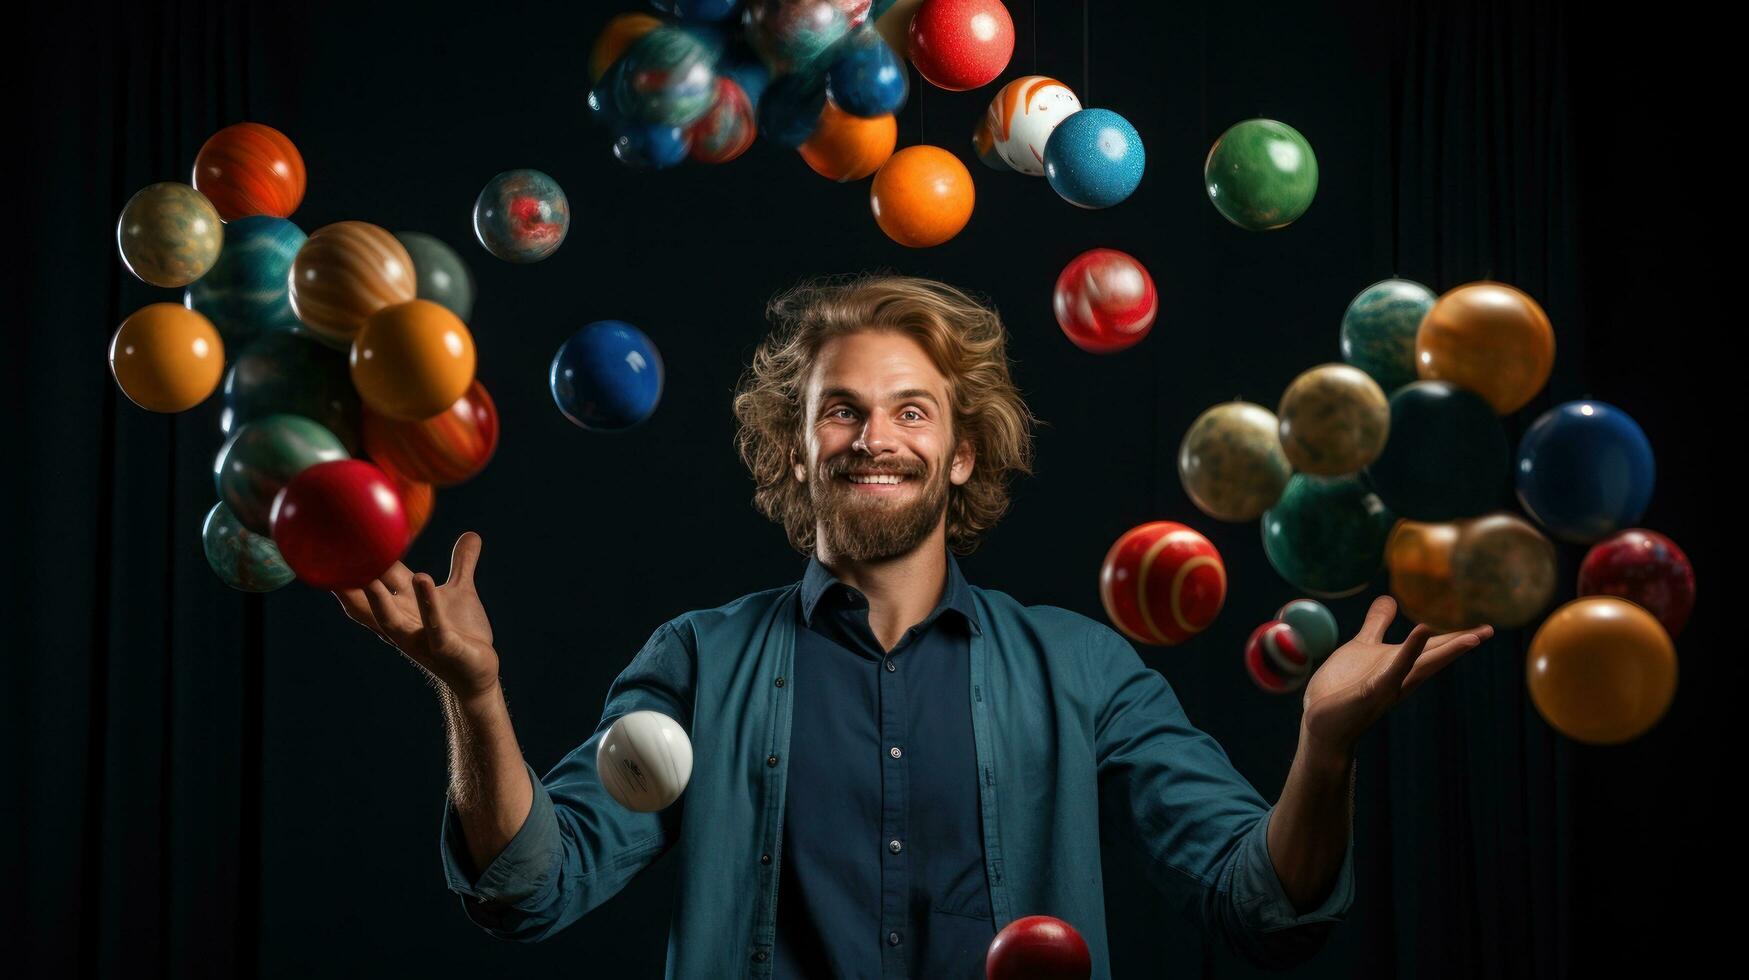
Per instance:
x=883, y=849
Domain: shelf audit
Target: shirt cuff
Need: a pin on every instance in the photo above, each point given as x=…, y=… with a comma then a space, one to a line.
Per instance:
x=522, y=870
x=1263, y=901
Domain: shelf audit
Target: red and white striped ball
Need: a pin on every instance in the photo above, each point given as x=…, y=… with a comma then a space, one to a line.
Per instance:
x=1105, y=301
x=1276, y=658
x=1162, y=583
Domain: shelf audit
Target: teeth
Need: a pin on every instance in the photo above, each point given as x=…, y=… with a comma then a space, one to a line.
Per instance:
x=876, y=479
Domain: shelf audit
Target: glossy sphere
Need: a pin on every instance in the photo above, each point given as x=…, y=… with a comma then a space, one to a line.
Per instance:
x=1335, y=420
x=242, y=559
x=728, y=129
x=1447, y=455
x=644, y=761
x=345, y=272
x=445, y=449
x=1419, y=556
x=1022, y=117
x=249, y=169
x=892, y=19
x=791, y=108
x=791, y=35
x=441, y=274
x=1327, y=536
x=607, y=377
x=1645, y=568
x=855, y=11
x=261, y=456
x=922, y=196
x=1162, y=583
x=1490, y=338
x=867, y=78
x=1231, y=463
x=650, y=146
x=619, y=34
x=1038, y=947
x=1378, y=330
x=417, y=499
x=1585, y=470
x=667, y=76
x=1315, y=624
x=846, y=147
x=1601, y=670
x=1276, y=658
x=1261, y=174
x=984, y=145
x=1094, y=159
x=1503, y=570
x=245, y=294
x=166, y=358
x=1105, y=301
x=412, y=360
x=291, y=373
x=340, y=524
x=522, y=216
x=169, y=235
x=961, y=44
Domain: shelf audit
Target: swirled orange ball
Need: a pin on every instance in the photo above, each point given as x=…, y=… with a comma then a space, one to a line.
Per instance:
x=922, y=196
x=412, y=360
x=166, y=357
x=1490, y=338
x=1601, y=670
x=249, y=169
x=845, y=147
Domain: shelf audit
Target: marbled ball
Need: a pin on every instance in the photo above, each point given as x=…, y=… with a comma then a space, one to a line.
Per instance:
x=247, y=291
x=1334, y=420
x=1261, y=174
x=1378, y=330
x=1327, y=536
x=242, y=559
x=791, y=35
x=262, y=456
x=1231, y=463
x=522, y=216
x=169, y=235
x=667, y=76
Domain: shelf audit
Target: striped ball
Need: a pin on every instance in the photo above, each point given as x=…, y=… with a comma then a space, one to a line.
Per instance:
x=245, y=293
x=1276, y=658
x=250, y=169
x=345, y=272
x=1162, y=583
x=442, y=450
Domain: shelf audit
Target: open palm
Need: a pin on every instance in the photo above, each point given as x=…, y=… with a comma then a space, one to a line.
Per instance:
x=1366, y=677
x=442, y=628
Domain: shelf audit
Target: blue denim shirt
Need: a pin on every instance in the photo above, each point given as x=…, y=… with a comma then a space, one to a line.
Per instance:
x=1079, y=744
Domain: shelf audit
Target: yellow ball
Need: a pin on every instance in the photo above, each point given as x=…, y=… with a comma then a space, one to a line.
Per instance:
x=1601, y=670
x=166, y=358
x=412, y=360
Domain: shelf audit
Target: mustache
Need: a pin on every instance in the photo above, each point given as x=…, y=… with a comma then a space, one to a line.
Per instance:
x=846, y=468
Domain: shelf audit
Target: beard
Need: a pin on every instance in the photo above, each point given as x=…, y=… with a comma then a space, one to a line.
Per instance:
x=861, y=527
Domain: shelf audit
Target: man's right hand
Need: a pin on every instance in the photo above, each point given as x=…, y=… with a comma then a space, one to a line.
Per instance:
x=441, y=628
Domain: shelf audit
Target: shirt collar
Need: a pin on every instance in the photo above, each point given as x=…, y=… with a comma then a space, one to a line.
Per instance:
x=818, y=579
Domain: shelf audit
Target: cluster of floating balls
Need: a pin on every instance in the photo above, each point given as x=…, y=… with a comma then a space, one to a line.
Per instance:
x=346, y=362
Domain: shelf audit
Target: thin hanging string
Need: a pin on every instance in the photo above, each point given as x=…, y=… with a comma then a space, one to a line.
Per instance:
x=1086, y=71
x=1035, y=37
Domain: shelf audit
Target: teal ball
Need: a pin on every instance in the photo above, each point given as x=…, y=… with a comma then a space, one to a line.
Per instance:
x=242, y=559
x=1378, y=330
x=247, y=292
x=1327, y=536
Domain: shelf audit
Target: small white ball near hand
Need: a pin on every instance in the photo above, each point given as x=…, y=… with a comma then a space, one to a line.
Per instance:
x=644, y=760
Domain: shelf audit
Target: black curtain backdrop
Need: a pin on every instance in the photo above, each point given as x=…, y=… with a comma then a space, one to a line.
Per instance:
x=201, y=783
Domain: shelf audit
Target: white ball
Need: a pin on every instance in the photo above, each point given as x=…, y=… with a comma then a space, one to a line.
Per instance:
x=1022, y=116
x=644, y=760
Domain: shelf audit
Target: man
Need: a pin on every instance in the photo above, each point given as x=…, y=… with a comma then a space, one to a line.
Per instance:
x=889, y=763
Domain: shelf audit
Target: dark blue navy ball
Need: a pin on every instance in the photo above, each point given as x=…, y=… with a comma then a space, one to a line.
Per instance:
x=866, y=78
x=1446, y=457
x=790, y=110
x=649, y=146
x=1585, y=471
x=607, y=377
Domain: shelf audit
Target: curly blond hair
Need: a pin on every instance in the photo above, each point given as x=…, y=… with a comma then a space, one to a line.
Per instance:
x=964, y=338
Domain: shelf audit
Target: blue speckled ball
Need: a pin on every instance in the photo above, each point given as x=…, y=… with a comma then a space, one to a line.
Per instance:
x=1094, y=158
x=607, y=377
x=245, y=293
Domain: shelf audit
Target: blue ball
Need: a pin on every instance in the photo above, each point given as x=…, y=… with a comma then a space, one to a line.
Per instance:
x=866, y=78
x=245, y=294
x=699, y=10
x=649, y=146
x=1094, y=158
x=790, y=110
x=1585, y=471
x=752, y=76
x=607, y=377
x=603, y=99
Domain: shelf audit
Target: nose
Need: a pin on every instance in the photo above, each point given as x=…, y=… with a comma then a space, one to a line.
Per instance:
x=876, y=437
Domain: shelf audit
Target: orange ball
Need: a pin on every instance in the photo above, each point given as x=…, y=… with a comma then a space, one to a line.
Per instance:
x=1490, y=338
x=417, y=499
x=166, y=358
x=922, y=196
x=1601, y=670
x=345, y=272
x=1419, y=555
x=615, y=38
x=249, y=169
x=847, y=147
x=412, y=360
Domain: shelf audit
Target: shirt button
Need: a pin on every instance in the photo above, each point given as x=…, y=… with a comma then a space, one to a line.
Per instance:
x=894, y=752
x=759, y=957
x=771, y=760
x=764, y=859
x=780, y=682
x=892, y=939
x=892, y=666
x=895, y=846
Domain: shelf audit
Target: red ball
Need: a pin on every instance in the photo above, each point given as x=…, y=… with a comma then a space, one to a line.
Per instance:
x=443, y=450
x=1645, y=568
x=250, y=169
x=339, y=524
x=961, y=44
x=1275, y=657
x=1105, y=301
x=1038, y=947
x=1162, y=583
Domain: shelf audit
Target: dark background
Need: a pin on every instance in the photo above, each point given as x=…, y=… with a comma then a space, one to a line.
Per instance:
x=201, y=783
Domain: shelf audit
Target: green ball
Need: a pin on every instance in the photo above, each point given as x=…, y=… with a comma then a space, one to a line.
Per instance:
x=242, y=559
x=1261, y=174
x=1327, y=536
x=262, y=456
x=1315, y=624
x=1378, y=330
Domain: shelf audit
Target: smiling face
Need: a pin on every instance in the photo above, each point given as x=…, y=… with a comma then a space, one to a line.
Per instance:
x=877, y=448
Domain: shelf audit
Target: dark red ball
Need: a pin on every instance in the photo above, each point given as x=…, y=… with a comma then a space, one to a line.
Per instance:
x=339, y=524
x=1645, y=568
x=1038, y=947
x=1105, y=301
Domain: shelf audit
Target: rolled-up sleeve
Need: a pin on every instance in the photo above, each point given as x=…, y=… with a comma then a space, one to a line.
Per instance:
x=578, y=846
x=1168, y=791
